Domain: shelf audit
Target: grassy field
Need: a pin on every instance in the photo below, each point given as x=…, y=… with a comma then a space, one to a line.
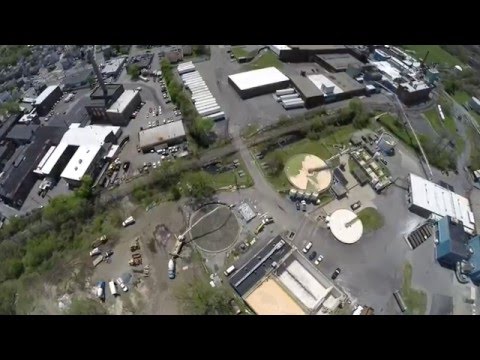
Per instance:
x=398, y=130
x=321, y=148
x=239, y=51
x=371, y=219
x=436, y=54
x=267, y=59
x=434, y=120
x=461, y=97
x=415, y=300
x=231, y=177
x=294, y=165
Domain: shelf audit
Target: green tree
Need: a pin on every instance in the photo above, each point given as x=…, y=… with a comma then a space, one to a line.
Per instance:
x=85, y=189
x=451, y=86
x=276, y=163
x=11, y=107
x=318, y=125
x=133, y=71
x=199, y=185
x=176, y=194
x=199, y=298
x=8, y=293
x=86, y=307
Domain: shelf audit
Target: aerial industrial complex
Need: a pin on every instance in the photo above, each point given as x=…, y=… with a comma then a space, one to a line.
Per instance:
x=303, y=179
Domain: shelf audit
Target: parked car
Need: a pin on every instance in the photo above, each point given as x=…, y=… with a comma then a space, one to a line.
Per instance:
x=336, y=273
x=383, y=161
x=298, y=205
x=126, y=165
x=304, y=205
x=356, y=205
x=307, y=247
x=122, y=284
x=319, y=259
x=139, y=88
x=312, y=256
x=268, y=220
x=235, y=307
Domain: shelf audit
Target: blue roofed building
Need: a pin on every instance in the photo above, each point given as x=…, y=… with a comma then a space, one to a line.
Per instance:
x=475, y=260
x=452, y=243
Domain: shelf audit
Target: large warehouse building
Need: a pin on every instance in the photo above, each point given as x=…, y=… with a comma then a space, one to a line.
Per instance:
x=45, y=101
x=337, y=62
x=318, y=89
x=18, y=173
x=306, y=53
x=426, y=198
x=279, y=281
x=119, y=112
x=258, y=82
x=170, y=134
x=78, y=153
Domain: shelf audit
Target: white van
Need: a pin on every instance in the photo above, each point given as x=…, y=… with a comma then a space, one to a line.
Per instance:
x=230, y=270
x=113, y=288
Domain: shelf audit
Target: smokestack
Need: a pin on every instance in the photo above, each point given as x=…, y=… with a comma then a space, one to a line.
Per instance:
x=98, y=74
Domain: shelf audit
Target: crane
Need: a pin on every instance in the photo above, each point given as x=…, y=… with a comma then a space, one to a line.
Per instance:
x=181, y=238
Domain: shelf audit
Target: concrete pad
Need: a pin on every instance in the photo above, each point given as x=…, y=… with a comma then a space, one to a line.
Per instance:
x=345, y=226
x=303, y=285
x=270, y=299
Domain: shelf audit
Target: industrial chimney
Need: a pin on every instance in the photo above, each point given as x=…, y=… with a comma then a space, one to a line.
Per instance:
x=91, y=58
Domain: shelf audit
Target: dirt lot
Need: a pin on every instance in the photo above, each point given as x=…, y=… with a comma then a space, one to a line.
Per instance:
x=217, y=230
x=153, y=294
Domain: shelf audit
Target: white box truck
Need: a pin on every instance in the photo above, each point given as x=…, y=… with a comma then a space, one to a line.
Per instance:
x=113, y=288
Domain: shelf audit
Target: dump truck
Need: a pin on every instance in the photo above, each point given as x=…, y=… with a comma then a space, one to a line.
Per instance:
x=135, y=245
x=97, y=260
x=135, y=261
x=100, y=241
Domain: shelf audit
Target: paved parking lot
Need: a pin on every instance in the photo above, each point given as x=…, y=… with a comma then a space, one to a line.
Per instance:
x=262, y=110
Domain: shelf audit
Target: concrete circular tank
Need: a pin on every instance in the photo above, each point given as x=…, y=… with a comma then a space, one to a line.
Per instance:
x=386, y=143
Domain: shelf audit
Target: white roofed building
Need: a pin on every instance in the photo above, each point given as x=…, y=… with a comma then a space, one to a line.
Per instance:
x=78, y=152
x=119, y=112
x=428, y=199
x=258, y=82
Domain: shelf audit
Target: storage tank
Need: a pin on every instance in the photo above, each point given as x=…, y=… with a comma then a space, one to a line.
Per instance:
x=293, y=193
x=300, y=194
x=386, y=143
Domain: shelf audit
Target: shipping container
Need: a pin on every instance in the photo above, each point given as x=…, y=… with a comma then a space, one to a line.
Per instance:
x=400, y=302
x=203, y=103
x=186, y=70
x=202, y=96
x=194, y=82
x=206, y=106
x=293, y=105
x=209, y=111
x=290, y=96
x=285, y=92
x=217, y=116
